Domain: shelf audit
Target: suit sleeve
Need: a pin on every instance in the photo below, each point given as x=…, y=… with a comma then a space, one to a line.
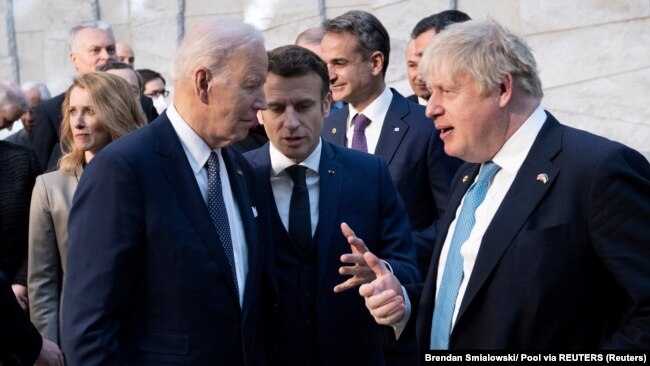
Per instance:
x=45, y=136
x=620, y=230
x=20, y=343
x=44, y=269
x=106, y=228
x=395, y=230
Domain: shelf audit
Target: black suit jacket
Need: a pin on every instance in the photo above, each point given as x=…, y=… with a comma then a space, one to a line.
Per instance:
x=47, y=125
x=563, y=264
x=413, y=99
x=20, y=343
x=148, y=282
x=417, y=162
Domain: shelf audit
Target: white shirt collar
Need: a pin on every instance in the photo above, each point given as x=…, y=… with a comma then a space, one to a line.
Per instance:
x=513, y=153
x=375, y=111
x=196, y=149
x=279, y=162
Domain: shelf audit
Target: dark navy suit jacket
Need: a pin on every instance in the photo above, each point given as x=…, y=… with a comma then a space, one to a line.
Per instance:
x=147, y=281
x=563, y=264
x=417, y=162
x=355, y=188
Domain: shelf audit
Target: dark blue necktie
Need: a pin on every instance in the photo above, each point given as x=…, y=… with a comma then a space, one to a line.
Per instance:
x=218, y=212
x=299, y=212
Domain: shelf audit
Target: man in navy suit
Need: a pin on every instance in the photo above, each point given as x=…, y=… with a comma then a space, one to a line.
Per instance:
x=165, y=261
x=558, y=255
x=91, y=45
x=318, y=321
x=356, y=48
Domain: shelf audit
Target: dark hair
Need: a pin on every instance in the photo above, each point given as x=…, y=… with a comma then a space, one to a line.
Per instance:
x=367, y=29
x=148, y=75
x=290, y=60
x=439, y=21
x=116, y=65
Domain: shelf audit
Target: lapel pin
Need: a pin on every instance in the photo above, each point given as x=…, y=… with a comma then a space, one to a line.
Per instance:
x=330, y=171
x=465, y=178
x=240, y=172
x=254, y=211
x=396, y=129
x=542, y=177
x=334, y=130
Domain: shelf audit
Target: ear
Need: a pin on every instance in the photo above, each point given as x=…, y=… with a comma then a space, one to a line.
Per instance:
x=260, y=117
x=73, y=59
x=377, y=61
x=327, y=104
x=505, y=90
x=202, y=79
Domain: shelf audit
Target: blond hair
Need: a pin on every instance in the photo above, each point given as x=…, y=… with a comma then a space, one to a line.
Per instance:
x=115, y=108
x=487, y=52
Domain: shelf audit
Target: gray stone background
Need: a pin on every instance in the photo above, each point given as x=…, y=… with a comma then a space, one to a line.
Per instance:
x=593, y=55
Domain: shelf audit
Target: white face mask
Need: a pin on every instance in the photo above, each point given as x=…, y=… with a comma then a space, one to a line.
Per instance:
x=159, y=104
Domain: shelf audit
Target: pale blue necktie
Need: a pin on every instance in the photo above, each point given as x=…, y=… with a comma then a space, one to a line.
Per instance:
x=453, y=273
x=218, y=212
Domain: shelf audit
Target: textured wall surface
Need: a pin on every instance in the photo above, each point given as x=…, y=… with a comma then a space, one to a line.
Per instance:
x=593, y=55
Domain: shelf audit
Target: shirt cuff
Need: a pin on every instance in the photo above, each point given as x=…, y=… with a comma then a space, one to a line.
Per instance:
x=399, y=327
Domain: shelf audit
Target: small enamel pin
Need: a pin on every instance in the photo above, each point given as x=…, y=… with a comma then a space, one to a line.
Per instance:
x=330, y=171
x=396, y=129
x=254, y=211
x=542, y=177
x=239, y=172
x=465, y=178
x=334, y=130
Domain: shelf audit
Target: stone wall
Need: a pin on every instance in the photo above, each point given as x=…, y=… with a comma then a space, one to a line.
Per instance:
x=593, y=54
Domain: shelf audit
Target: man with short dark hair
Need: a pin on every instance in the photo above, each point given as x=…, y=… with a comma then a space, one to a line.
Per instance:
x=331, y=325
x=378, y=120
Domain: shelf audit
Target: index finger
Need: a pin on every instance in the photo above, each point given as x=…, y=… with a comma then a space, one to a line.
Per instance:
x=352, y=238
x=375, y=264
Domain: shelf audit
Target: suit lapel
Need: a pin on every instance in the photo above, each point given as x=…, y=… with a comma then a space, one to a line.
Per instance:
x=331, y=178
x=336, y=126
x=394, y=128
x=520, y=201
x=181, y=178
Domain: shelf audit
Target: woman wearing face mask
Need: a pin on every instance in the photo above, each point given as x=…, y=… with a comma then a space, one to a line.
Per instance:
x=98, y=108
x=154, y=88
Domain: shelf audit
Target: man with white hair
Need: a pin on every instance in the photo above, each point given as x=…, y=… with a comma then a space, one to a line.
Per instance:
x=165, y=258
x=91, y=44
x=545, y=240
x=35, y=93
x=12, y=105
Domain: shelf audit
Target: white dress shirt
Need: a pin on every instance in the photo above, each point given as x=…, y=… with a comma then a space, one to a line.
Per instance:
x=376, y=112
x=282, y=184
x=198, y=152
x=510, y=158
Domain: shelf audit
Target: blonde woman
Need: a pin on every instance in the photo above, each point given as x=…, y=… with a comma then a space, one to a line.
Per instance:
x=98, y=108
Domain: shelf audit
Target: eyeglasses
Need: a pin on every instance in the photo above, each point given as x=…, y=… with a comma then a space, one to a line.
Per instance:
x=157, y=93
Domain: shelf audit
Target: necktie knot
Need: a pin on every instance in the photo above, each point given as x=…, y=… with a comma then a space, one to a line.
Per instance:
x=361, y=122
x=212, y=165
x=486, y=174
x=297, y=174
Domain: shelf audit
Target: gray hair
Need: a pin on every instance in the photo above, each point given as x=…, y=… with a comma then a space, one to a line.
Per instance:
x=42, y=89
x=487, y=52
x=210, y=45
x=11, y=95
x=94, y=24
x=370, y=34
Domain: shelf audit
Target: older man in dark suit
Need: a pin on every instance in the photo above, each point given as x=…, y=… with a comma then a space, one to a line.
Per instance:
x=379, y=120
x=165, y=258
x=545, y=244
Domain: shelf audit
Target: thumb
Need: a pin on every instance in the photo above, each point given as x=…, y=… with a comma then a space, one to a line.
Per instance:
x=375, y=264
